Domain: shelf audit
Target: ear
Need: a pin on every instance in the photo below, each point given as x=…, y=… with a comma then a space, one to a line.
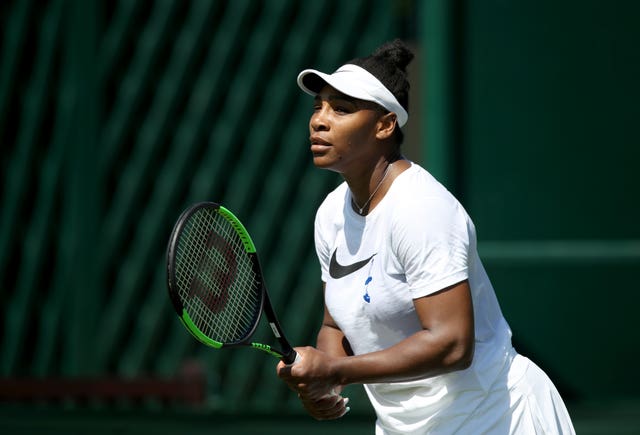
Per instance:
x=386, y=126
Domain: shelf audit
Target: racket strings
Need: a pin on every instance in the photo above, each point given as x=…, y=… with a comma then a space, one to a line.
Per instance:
x=215, y=277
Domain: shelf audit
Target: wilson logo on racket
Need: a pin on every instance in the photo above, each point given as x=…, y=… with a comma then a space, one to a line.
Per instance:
x=215, y=297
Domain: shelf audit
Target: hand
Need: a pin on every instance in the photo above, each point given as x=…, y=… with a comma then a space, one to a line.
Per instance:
x=328, y=407
x=312, y=378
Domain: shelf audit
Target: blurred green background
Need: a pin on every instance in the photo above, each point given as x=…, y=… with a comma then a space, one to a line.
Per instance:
x=116, y=115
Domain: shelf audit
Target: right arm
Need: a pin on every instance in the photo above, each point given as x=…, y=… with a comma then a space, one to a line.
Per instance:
x=331, y=339
x=323, y=401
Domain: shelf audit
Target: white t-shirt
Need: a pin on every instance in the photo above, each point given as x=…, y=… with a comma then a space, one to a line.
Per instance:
x=416, y=241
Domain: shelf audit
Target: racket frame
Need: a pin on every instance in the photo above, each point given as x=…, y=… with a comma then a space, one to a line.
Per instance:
x=287, y=354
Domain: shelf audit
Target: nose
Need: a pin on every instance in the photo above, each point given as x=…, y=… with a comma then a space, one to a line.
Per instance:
x=318, y=120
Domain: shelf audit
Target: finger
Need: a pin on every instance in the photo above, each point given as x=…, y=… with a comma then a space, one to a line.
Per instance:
x=283, y=371
x=325, y=404
x=317, y=390
x=338, y=410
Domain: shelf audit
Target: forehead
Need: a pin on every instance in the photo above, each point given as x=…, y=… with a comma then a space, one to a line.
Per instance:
x=330, y=94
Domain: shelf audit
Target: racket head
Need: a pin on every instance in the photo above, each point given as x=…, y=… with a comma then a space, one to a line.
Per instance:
x=213, y=276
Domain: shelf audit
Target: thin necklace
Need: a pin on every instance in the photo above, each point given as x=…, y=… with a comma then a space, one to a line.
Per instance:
x=360, y=209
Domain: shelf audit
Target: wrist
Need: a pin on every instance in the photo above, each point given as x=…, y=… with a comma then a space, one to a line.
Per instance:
x=337, y=372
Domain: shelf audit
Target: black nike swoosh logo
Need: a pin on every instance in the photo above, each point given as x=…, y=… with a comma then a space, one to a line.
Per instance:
x=337, y=270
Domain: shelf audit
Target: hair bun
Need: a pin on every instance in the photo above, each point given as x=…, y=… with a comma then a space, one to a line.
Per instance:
x=388, y=63
x=395, y=52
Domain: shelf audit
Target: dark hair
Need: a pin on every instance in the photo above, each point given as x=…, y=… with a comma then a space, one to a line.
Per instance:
x=388, y=63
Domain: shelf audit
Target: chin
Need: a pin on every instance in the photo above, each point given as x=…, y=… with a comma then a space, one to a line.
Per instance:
x=329, y=161
x=320, y=161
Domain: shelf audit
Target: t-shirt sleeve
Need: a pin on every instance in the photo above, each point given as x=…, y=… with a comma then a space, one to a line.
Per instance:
x=430, y=239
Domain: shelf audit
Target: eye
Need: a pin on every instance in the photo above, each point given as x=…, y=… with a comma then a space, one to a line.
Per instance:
x=342, y=109
x=317, y=106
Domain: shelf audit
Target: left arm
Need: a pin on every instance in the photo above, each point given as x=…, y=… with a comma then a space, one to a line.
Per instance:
x=444, y=344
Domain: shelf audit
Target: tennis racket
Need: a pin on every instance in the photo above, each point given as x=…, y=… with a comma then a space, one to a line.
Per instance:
x=215, y=281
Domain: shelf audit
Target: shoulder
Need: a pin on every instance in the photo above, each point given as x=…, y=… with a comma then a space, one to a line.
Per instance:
x=423, y=214
x=334, y=199
x=331, y=206
x=417, y=194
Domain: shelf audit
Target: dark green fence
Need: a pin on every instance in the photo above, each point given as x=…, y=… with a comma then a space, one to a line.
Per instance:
x=548, y=173
x=117, y=115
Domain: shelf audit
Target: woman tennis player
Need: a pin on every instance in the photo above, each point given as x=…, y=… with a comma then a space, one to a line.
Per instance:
x=409, y=310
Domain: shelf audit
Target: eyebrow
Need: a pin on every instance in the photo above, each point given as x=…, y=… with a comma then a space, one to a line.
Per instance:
x=358, y=103
x=334, y=97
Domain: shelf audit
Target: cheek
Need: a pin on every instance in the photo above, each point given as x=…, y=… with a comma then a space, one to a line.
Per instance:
x=352, y=136
x=359, y=138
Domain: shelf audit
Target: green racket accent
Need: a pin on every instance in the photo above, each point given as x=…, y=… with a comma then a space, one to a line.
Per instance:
x=195, y=331
x=240, y=229
x=186, y=320
x=266, y=348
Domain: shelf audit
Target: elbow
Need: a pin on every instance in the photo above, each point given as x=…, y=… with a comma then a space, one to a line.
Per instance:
x=460, y=355
x=461, y=347
x=466, y=358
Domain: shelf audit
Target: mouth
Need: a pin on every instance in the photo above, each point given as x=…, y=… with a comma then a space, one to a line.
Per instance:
x=319, y=145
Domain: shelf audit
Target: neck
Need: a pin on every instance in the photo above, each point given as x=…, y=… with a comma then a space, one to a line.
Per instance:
x=371, y=190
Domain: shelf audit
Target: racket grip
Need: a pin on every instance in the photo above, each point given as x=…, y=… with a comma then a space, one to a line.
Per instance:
x=291, y=358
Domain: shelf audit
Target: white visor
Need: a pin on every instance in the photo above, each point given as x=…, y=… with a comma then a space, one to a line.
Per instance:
x=355, y=82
